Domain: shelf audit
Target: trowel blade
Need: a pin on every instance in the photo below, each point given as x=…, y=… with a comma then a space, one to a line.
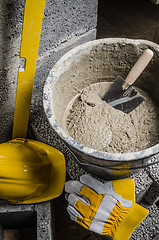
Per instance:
x=124, y=100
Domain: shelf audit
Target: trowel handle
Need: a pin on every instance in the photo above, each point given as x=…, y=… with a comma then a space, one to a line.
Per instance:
x=138, y=68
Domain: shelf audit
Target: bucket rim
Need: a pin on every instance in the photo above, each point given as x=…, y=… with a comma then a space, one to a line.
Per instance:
x=48, y=99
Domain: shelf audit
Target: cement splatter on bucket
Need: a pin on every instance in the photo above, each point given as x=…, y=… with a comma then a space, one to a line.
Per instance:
x=94, y=62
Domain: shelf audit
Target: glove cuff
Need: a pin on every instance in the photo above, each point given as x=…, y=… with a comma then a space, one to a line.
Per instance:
x=135, y=216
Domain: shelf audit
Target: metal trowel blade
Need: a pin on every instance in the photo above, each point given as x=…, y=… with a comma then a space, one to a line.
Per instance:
x=124, y=100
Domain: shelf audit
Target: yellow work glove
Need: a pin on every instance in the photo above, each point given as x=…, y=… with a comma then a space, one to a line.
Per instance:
x=105, y=208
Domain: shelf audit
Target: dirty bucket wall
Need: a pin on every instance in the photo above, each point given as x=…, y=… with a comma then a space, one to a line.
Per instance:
x=99, y=61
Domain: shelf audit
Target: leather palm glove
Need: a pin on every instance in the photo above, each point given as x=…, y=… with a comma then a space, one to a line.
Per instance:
x=105, y=208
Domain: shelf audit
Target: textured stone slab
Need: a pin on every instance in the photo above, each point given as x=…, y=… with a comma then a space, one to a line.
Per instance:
x=39, y=216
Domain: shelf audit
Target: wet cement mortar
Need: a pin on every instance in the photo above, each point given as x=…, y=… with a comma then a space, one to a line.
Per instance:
x=95, y=124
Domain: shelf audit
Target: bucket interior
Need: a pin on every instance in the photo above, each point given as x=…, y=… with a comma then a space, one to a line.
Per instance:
x=102, y=61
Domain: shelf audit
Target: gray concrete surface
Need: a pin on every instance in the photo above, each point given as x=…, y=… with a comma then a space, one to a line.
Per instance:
x=37, y=216
x=65, y=22
x=45, y=221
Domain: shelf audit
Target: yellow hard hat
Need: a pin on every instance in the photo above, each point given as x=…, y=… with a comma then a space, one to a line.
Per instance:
x=30, y=171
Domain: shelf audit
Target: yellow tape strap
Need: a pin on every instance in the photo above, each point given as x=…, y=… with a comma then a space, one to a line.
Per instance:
x=125, y=188
x=84, y=209
x=84, y=222
x=135, y=216
x=116, y=217
x=94, y=198
x=88, y=211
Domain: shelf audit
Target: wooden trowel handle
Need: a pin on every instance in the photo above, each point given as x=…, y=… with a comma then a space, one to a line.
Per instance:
x=138, y=68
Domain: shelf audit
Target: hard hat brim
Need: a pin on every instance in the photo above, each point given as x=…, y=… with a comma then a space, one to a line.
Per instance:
x=57, y=173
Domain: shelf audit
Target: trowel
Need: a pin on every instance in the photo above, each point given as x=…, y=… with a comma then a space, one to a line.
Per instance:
x=31, y=171
x=121, y=95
